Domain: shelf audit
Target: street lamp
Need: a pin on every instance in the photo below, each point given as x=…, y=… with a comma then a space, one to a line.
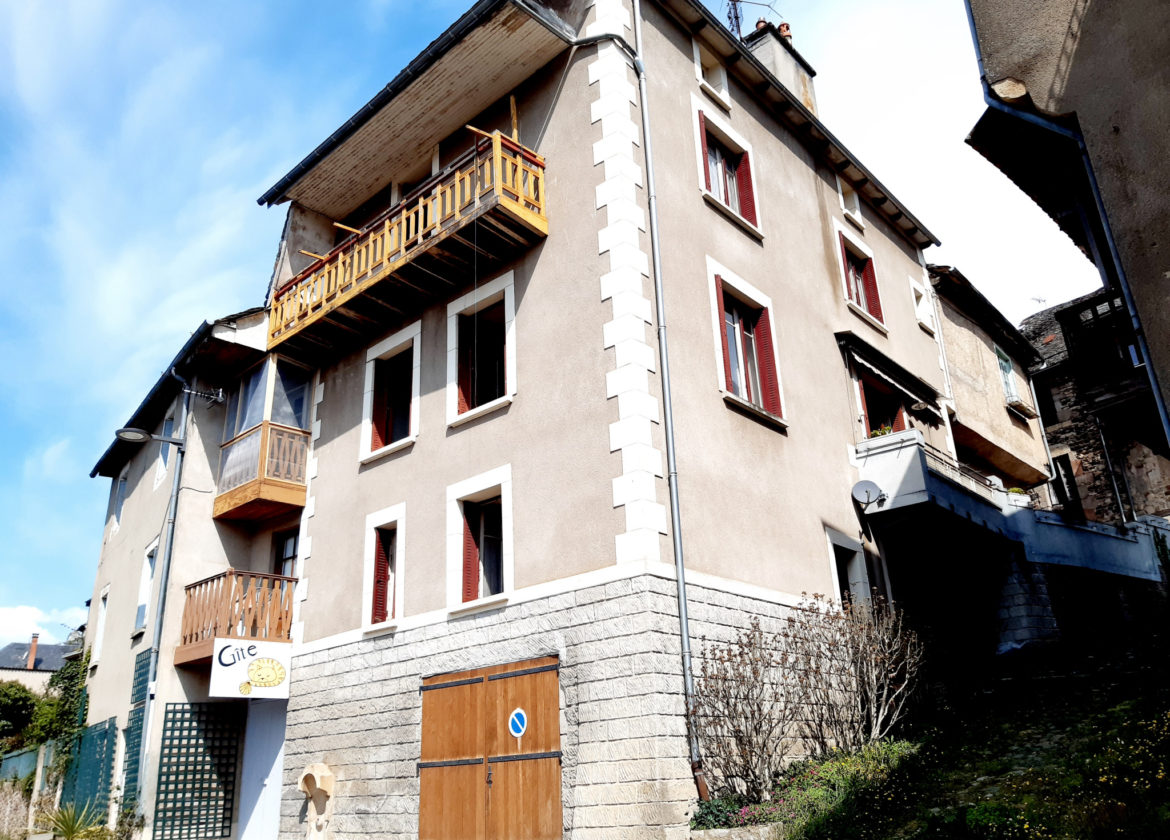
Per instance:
x=132, y=435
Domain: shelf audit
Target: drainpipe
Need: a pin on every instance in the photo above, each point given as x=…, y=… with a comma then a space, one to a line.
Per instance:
x=160, y=609
x=1112, y=472
x=668, y=416
x=1114, y=255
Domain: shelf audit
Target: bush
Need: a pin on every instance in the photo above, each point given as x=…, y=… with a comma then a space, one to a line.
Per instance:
x=17, y=704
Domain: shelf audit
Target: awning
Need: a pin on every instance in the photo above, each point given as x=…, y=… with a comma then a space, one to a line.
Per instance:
x=873, y=360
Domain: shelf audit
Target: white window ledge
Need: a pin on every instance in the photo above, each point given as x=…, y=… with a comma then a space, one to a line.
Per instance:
x=926, y=327
x=740, y=404
x=491, y=602
x=865, y=316
x=731, y=214
x=720, y=97
x=481, y=410
x=380, y=627
x=397, y=446
x=856, y=219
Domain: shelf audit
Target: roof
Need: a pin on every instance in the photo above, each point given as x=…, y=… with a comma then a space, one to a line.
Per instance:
x=506, y=40
x=202, y=351
x=951, y=284
x=49, y=657
x=1046, y=332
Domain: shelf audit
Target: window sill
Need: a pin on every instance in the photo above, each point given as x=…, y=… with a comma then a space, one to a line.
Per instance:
x=731, y=214
x=865, y=316
x=491, y=602
x=479, y=411
x=380, y=627
x=926, y=328
x=137, y=634
x=720, y=97
x=754, y=411
x=855, y=219
x=397, y=446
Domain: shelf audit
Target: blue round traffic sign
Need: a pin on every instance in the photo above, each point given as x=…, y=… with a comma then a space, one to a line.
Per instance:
x=518, y=723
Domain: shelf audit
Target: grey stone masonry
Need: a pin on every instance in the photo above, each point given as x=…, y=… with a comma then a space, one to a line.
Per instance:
x=1025, y=609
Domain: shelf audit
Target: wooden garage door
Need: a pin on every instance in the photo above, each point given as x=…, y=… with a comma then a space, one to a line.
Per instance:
x=478, y=780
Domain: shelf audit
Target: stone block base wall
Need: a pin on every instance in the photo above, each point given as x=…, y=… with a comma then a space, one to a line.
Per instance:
x=1025, y=610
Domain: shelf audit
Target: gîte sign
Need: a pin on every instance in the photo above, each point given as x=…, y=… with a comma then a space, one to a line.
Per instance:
x=246, y=668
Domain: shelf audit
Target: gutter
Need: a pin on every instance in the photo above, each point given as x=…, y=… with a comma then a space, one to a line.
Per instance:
x=1114, y=255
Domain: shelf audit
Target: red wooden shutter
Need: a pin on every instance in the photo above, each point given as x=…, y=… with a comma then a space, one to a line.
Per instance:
x=900, y=420
x=379, y=433
x=381, y=578
x=727, y=383
x=470, y=552
x=769, y=382
x=864, y=409
x=466, y=358
x=703, y=141
x=872, y=302
x=743, y=181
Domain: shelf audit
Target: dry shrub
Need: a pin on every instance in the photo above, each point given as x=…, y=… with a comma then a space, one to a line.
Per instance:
x=830, y=677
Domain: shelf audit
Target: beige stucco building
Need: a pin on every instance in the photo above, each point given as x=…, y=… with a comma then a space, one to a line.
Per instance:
x=443, y=467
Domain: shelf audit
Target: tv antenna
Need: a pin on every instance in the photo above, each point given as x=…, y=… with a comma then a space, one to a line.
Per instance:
x=734, y=18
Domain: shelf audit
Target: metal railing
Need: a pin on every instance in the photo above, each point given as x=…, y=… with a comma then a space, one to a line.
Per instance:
x=941, y=463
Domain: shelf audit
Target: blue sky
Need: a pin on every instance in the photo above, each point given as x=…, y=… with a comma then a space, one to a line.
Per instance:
x=136, y=136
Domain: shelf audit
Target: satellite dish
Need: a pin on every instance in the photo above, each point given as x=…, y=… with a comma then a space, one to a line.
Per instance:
x=866, y=492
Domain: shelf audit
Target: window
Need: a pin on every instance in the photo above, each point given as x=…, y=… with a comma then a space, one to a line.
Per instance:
x=1006, y=376
x=284, y=549
x=99, y=632
x=382, y=590
x=145, y=582
x=120, y=488
x=850, y=202
x=746, y=341
x=923, y=305
x=711, y=74
x=245, y=407
x=164, y=450
x=479, y=536
x=881, y=406
x=390, y=401
x=859, y=277
x=727, y=172
x=290, y=397
x=481, y=350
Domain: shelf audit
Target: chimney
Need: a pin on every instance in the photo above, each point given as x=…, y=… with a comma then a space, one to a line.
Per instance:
x=786, y=32
x=761, y=23
x=32, y=652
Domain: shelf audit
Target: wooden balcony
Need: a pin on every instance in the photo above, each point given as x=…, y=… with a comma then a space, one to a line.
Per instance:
x=484, y=210
x=234, y=605
x=262, y=473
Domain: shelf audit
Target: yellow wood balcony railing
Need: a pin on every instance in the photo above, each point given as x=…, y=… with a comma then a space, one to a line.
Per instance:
x=261, y=473
x=234, y=605
x=497, y=179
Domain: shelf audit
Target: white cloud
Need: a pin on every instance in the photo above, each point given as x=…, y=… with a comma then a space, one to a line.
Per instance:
x=17, y=624
x=52, y=463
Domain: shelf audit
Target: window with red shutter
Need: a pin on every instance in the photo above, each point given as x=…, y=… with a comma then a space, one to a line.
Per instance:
x=482, y=376
x=749, y=358
x=860, y=279
x=882, y=407
x=483, y=542
x=390, y=420
x=727, y=172
x=382, y=608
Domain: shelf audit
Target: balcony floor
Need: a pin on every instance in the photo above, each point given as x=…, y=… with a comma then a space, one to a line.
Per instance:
x=261, y=498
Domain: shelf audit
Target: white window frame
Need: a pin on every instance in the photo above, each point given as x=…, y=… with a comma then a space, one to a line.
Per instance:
x=922, y=297
x=867, y=252
x=405, y=340
x=753, y=297
x=850, y=203
x=494, y=482
x=711, y=74
x=395, y=516
x=737, y=143
x=145, y=587
x=1010, y=392
x=99, y=633
x=121, y=490
x=164, y=449
x=502, y=287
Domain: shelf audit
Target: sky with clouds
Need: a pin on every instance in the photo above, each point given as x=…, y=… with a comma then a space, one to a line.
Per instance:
x=135, y=137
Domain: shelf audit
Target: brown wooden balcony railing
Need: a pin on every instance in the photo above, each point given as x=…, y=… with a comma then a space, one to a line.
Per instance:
x=234, y=605
x=262, y=472
x=495, y=172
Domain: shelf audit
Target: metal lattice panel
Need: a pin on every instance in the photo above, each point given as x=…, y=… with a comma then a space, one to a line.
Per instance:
x=197, y=770
x=141, y=677
x=87, y=782
x=132, y=761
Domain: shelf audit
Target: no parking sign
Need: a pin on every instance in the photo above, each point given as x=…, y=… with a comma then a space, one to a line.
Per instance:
x=518, y=723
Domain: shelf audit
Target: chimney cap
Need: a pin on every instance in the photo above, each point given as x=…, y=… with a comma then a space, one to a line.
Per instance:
x=761, y=23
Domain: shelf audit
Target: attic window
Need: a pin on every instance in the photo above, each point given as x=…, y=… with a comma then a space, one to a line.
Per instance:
x=712, y=75
x=850, y=202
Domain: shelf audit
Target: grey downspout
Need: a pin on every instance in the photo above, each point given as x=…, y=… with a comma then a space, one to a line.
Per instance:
x=160, y=609
x=668, y=416
x=1112, y=471
x=1114, y=255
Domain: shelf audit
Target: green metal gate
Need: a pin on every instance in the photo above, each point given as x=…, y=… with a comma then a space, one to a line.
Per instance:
x=87, y=782
x=197, y=770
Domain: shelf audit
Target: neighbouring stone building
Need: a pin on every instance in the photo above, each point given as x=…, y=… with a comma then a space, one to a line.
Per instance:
x=435, y=496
